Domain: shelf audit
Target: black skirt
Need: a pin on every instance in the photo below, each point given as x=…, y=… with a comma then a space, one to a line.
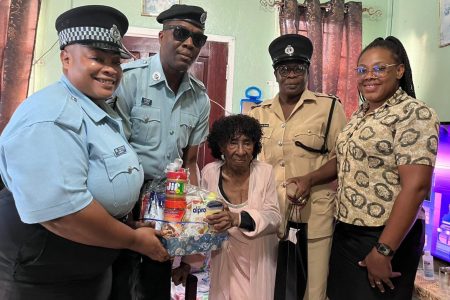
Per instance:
x=348, y=281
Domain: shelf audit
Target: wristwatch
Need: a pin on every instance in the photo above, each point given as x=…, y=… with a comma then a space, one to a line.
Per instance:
x=384, y=249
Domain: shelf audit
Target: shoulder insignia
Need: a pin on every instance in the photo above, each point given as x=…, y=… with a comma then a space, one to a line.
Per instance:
x=331, y=96
x=267, y=103
x=255, y=106
x=140, y=63
x=197, y=81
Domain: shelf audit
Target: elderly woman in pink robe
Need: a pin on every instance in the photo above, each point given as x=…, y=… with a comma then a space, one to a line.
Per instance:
x=245, y=266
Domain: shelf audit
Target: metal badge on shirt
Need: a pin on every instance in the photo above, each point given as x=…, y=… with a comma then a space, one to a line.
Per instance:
x=156, y=76
x=120, y=151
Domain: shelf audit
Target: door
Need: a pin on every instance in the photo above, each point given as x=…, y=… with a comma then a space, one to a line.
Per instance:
x=210, y=68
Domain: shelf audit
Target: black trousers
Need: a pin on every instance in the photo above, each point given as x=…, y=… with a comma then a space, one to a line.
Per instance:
x=37, y=264
x=348, y=281
x=137, y=277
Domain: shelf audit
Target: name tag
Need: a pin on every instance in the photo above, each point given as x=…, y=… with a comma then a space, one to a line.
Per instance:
x=146, y=101
x=264, y=125
x=120, y=151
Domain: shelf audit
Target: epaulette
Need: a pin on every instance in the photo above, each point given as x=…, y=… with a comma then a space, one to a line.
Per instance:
x=255, y=106
x=327, y=96
x=197, y=81
x=140, y=63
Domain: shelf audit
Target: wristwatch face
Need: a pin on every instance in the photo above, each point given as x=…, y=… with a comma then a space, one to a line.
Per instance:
x=384, y=249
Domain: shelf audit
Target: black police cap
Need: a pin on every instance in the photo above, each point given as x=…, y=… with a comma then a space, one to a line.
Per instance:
x=291, y=47
x=189, y=13
x=97, y=26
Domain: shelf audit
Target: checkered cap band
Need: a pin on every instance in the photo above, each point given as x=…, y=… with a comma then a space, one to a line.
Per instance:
x=79, y=34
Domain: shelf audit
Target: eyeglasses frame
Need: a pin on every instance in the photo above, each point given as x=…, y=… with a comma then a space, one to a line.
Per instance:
x=384, y=72
x=289, y=70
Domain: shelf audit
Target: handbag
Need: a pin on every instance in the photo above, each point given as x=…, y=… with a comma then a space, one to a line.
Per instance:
x=292, y=261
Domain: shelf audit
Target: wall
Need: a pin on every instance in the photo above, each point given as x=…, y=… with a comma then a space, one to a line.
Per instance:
x=416, y=24
x=254, y=28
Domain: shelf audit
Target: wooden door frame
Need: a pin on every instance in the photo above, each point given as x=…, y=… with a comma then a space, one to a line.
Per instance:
x=229, y=40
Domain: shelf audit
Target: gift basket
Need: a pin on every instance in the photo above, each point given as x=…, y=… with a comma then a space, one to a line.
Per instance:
x=178, y=209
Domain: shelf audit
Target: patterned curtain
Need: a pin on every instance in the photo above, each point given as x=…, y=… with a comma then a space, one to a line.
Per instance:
x=335, y=29
x=18, y=22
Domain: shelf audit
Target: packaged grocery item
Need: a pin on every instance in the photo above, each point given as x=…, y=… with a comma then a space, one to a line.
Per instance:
x=213, y=207
x=184, y=230
x=152, y=202
x=175, y=204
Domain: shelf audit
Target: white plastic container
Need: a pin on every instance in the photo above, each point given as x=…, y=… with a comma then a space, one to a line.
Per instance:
x=428, y=266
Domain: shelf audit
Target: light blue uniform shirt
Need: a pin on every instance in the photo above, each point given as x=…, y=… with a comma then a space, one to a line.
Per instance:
x=60, y=150
x=159, y=123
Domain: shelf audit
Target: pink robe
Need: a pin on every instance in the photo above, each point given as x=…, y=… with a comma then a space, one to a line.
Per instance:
x=255, y=251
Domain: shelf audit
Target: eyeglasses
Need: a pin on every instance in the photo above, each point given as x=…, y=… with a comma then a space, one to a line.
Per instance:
x=377, y=70
x=298, y=70
x=181, y=34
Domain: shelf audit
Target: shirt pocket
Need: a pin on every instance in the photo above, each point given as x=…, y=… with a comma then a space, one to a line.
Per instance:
x=146, y=125
x=309, y=137
x=324, y=202
x=125, y=175
x=123, y=164
x=187, y=125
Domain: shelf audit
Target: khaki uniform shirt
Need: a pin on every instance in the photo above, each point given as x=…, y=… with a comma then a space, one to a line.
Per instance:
x=306, y=124
x=402, y=131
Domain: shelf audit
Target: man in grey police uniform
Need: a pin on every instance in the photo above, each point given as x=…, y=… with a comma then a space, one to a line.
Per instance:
x=165, y=110
x=71, y=171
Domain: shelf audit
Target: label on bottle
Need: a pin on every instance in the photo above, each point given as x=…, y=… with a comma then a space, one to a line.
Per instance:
x=428, y=271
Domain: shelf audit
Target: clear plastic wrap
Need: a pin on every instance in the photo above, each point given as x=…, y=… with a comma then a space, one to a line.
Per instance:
x=191, y=234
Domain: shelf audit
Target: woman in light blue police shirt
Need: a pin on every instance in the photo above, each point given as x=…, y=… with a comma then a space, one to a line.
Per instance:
x=71, y=172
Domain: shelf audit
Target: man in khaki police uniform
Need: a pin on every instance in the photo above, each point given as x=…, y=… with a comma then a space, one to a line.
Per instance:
x=295, y=124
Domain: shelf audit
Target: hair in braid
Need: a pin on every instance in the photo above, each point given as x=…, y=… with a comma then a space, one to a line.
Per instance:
x=401, y=57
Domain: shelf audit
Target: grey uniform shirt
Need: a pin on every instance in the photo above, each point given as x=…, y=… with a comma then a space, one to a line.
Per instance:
x=60, y=151
x=158, y=123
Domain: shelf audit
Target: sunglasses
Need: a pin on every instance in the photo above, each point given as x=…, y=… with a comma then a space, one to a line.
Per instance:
x=181, y=34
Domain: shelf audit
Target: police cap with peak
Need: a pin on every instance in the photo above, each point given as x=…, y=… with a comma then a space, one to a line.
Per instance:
x=291, y=48
x=97, y=26
x=188, y=13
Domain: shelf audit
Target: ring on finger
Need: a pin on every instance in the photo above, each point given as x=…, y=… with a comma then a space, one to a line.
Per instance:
x=377, y=282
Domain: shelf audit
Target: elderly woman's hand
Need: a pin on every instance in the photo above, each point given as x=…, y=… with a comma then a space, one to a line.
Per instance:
x=223, y=220
x=298, y=189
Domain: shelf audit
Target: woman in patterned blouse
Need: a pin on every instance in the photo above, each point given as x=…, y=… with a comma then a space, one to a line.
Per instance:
x=385, y=160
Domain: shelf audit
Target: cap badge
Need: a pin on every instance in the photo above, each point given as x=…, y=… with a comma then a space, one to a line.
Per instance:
x=156, y=76
x=115, y=33
x=289, y=50
x=203, y=18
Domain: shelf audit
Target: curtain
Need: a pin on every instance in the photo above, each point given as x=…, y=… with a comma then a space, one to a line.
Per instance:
x=335, y=29
x=18, y=22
